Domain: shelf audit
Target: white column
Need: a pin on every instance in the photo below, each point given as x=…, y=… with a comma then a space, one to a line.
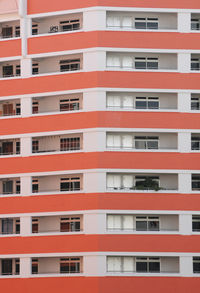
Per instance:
x=94, y=265
x=26, y=107
x=25, y=267
x=26, y=67
x=26, y=185
x=186, y=266
x=94, y=223
x=94, y=101
x=184, y=142
x=184, y=183
x=94, y=61
x=94, y=20
x=184, y=102
x=184, y=62
x=94, y=141
x=184, y=22
x=94, y=182
x=185, y=224
x=25, y=225
x=26, y=146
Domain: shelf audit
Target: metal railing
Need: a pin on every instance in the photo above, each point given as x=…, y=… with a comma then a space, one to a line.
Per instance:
x=142, y=188
x=78, y=148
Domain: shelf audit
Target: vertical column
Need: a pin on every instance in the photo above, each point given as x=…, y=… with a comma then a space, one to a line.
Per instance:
x=94, y=101
x=184, y=22
x=26, y=146
x=184, y=182
x=184, y=102
x=94, y=20
x=26, y=106
x=26, y=185
x=94, y=141
x=184, y=62
x=186, y=265
x=94, y=265
x=25, y=225
x=25, y=267
x=184, y=142
x=26, y=67
x=94, y=61
x=94, y=223
x=94, y=182
x=185, y=224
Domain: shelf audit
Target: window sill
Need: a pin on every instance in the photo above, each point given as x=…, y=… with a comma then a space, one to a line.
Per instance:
x=55, y=153
x=9, y=39
x=141, y=30
x=141, y=70
x=55, y=73
x=142, y=150
x=58, y=275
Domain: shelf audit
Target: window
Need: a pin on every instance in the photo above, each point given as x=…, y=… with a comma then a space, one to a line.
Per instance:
x=70, y=144
x=195, y=182
x=18, y=109
x=70, y=224
x=120, y=222
x=18, y=187
x=69, y=104
x=17, y=147
x=53, y=29
x=113, y=22
x=195, y=24
x=124, y=141
x=147, y=103
x=147, y=182
x=8, y=71
x=35, y=225
x=70, y=184
x=7, y=32
x=34, y=29
x=70, y=25
x=113, y=61
x=18, y=70
x=17, y=226
x=17, y=31
x=70, y=65
x=146, y=142
x=35, y=146
x=6, y=266
x=34, y=265
x=35, y=186
x=196, y=223
x=70, y=265
x=150, y=223
x=113, y=101
x=195, y=104
x=35, y=107
x=196, y=265
x=17, y=266
x=7, y=187
x=195, y=144
x=35, y=68
x=195, y=64
x=146, y=63
x=147, y=264
x=146, y=23
x=7, y=226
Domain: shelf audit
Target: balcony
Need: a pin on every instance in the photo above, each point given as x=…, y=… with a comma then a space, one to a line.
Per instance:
x=9, y=147
x=195, y=21
x=142, y=182
x=10, y=108
x=57, y=265
x=10, y=266
x=61, y=103
x=142, y=265
x=196, y=182
x=142, y=62
x=145, y=21
x=140, y=223
x=57, y=184
x=57, y=24
x=9, y=226
x=58, y=64
x=145, y=141
x=195, y=141
x=10, y=29
x=57, y=143
x=142, y=101
x=196, y=223
x=195, y=62
x=10, y=69
x=57, y=224
x=10, y=186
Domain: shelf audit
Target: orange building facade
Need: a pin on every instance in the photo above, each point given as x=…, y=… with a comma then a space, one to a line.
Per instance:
x=99, y=146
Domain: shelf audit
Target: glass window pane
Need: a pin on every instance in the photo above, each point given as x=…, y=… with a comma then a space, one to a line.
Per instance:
x=141, y=267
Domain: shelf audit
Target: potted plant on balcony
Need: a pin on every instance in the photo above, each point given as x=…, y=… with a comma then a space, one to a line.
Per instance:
x=148, y=184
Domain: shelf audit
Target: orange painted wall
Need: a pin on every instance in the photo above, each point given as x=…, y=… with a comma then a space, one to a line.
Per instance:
x=101, y=201
x=157, y=80
x=36, y=6
x=104, y=160
x=95, y=243
x=100, y=119
x=80, y=40
x=10, y=48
